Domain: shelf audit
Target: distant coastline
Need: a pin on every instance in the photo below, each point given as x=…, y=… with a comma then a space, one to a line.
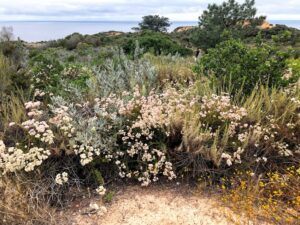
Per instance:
x=35, y=31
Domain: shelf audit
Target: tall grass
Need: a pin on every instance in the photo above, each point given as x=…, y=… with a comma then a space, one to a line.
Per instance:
x=5, y=76
x=173, y=69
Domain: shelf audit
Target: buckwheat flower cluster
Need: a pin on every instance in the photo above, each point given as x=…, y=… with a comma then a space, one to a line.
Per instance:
x=39, y=93
x=75, y=71
x=39, y=130
x=101, y=190
x=63, y=121
x=235, y=158
x=13, y=159
x=33, y=109
x=218, y=117
x=152, y=118
x=36, y=128
x=228, y=158
x=72, y=71
x=62, y=178
x=2, y=152
x=270, y=136
x=35, y=158
x=282, y=148
x=30, y=155
x=220, y=107
x=86, y=153
x=2, y=146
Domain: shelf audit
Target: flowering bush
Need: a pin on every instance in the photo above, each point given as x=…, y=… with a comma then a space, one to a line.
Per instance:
x=122, y=130
x=214, y=130
x=135, y=134
x=34, y=146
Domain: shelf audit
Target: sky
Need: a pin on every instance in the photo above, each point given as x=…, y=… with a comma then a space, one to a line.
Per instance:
x=130, y=10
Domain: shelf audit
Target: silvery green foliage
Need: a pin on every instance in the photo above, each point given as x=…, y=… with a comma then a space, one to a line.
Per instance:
x=176, y=58
x=122, y=74
x=74, y=93
x=93, y=127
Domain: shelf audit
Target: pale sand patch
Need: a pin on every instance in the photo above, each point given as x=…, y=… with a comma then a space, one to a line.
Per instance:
x=157, y=206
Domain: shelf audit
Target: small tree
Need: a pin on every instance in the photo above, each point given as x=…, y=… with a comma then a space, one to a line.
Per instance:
x=155, y=23
x=230, y=17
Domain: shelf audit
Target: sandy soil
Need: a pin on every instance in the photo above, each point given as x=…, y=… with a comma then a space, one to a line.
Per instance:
x=153, y=206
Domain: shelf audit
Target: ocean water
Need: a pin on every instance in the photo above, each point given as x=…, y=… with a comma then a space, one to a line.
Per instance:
x=46, y=30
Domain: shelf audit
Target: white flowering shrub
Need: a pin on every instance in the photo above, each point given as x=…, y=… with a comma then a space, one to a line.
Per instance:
x=214, y=130
x=143, y=154
x=276, y=137
x=45, y=71
x=134, y=134
x=128, y=131
x=34, y=146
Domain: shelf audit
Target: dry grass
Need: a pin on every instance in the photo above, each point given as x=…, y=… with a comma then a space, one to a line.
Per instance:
x=17, y=207
x=12, y=110
x=263, y=102
x=173, y=69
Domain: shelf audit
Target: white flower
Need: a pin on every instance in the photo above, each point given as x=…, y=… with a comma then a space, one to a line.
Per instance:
x=101, y=190
x=61, y=179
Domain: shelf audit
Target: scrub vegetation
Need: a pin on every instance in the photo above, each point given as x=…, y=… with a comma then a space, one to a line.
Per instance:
x=87, y=111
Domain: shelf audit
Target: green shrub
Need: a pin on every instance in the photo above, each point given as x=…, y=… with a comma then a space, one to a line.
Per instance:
x=282, y=32
x=294, y=65
x=283, y=37
x=46, y=70
x=72, y=41
x=237, y=66
x=156, y=43
x=119, y=73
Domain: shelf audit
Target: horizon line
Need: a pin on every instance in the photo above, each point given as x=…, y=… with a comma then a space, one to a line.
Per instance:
x=117, y=21
x=132, y=21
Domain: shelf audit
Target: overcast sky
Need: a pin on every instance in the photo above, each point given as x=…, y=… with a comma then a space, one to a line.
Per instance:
x=131, y=10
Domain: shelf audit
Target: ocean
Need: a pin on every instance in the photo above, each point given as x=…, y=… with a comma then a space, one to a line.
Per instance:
x=46, y=30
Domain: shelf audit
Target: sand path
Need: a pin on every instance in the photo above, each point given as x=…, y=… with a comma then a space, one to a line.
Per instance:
x=155, y=206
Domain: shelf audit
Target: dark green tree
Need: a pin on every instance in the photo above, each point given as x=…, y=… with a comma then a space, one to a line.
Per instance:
x=155, y=23
x=230, y=17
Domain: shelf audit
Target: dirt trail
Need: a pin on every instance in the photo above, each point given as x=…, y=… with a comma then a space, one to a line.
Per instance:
x=155, y=206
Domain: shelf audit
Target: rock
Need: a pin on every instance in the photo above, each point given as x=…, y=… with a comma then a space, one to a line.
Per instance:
x=183, y=29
